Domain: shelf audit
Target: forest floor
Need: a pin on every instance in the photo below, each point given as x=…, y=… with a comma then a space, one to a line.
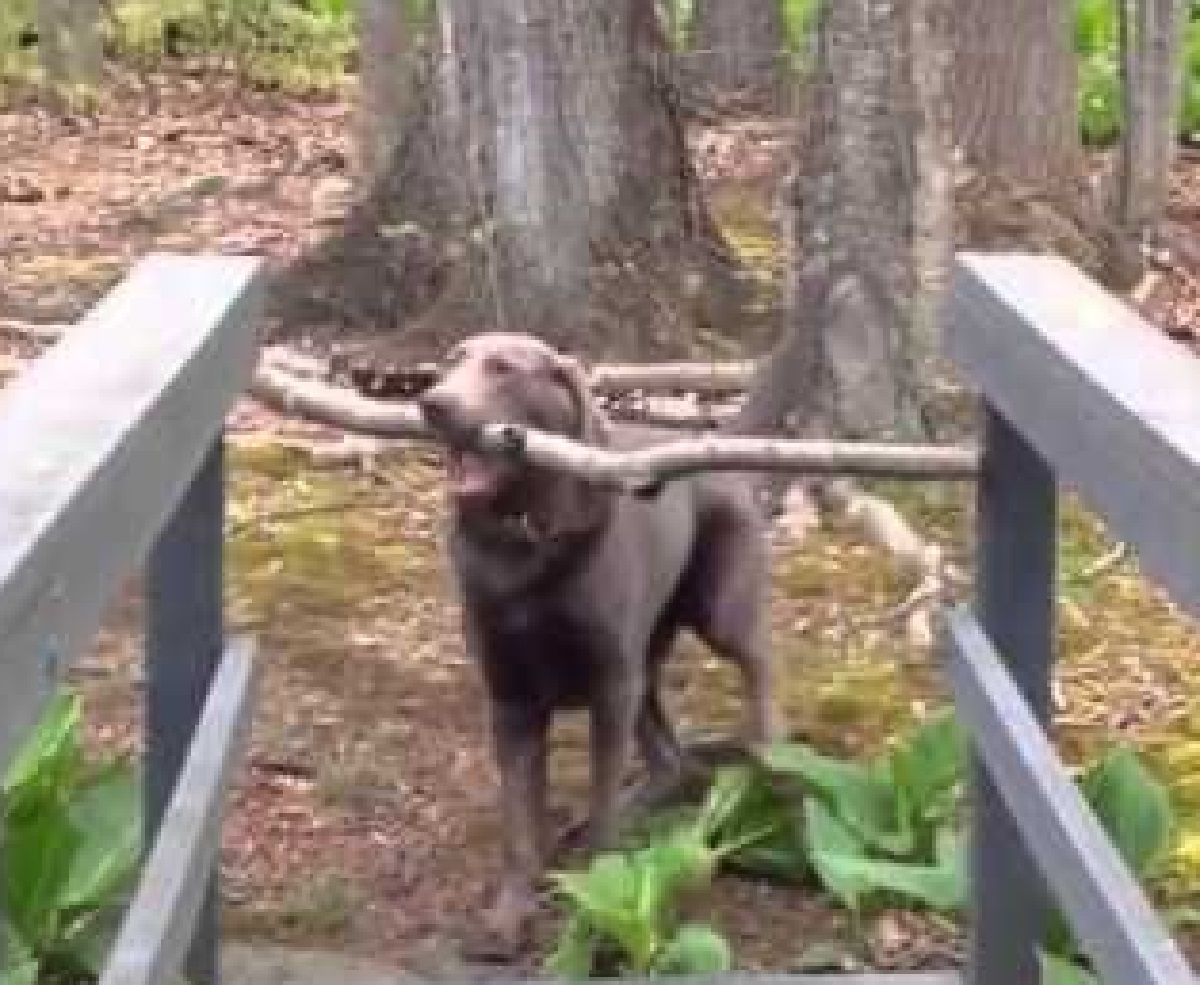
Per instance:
x=363, y=818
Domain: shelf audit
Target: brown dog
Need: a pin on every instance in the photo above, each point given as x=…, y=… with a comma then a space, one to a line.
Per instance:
x=572, y=593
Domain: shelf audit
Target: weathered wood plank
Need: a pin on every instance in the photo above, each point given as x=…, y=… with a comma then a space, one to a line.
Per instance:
x=100, y=438
x=184, y=577
x=1017, y=510
x=1103, y=901
x=1111, y=402
x=158, y=925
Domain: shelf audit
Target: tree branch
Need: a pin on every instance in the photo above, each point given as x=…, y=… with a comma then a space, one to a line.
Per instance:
x=671, y=460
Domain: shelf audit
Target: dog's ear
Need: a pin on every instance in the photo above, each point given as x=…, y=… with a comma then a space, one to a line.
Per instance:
x=566, y=504
x=593, y=427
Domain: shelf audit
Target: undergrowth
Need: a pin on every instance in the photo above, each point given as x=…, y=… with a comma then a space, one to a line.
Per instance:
x=889, y=830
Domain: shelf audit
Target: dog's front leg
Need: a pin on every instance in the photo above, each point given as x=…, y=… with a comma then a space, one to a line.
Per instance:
x=519, y=738
x=615, y=706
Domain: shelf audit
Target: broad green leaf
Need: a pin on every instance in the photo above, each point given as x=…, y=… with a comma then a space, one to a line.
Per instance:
x=38, y=852
x=23, y=973
x=929, y=764
x=781, y=854
x=107, y=817
x=862, y=796
x=18, y=964
x=614, y=894
x=829, y=838
x=746, y=820
x=49, y=755
x=846, y=870
x=734, y=792
x=674, y=863
x=1095, y=26
x=573, y=952
x=85, y=944
x=940, y=888
x=1059, y=971
x=1133, y=806
x=695, y=950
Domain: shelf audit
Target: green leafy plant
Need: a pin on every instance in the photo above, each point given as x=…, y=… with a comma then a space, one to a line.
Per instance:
x=885, y=830
x=1135, y=811
x=887, y=826
x=72, y=831
x=1058, y=970
x=622, y=910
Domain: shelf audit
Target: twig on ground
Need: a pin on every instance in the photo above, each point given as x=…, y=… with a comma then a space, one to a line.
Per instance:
x=887, y=528
x=298, y=513
x=350, y=450
x=1104, y=564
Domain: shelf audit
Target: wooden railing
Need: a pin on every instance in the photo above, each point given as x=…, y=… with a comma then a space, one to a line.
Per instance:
x=113, y=459
x=1077, y=390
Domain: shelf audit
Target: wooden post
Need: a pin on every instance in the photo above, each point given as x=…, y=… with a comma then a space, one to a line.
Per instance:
x=184, y=640
x=1016, y=585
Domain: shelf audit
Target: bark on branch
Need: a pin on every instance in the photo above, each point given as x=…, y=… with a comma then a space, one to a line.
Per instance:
x=342, y=408
x=674, y=459
x=334, y=405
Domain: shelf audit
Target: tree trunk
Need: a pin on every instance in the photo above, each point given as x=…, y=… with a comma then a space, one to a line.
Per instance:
x=543, y=184
x=1152, y=74
x=1023, y=186
x=868, y=223
x=1014, y=90
x=69, y=43
x=737, y=50
x=386, y=77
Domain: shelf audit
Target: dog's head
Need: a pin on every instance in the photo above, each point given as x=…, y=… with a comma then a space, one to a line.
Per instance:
x=504, y=378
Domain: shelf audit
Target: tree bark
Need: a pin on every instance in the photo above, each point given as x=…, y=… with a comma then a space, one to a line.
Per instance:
x=69, y=43
x=867, y=220
x=1153, y=77
x=1014, y=90
x=737, y=50
x=1024, y=186
x=543, y=184
x=386, y=77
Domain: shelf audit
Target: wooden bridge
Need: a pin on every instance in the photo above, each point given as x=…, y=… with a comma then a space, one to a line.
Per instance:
x=113, y=463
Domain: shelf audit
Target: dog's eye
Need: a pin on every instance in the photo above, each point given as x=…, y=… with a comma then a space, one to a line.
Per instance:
x=498, y=366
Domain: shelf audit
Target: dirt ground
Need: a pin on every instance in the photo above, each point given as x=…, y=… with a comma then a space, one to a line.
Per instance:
x=363, y=818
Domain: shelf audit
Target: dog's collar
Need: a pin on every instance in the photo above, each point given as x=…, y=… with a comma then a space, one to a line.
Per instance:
x=519, y=532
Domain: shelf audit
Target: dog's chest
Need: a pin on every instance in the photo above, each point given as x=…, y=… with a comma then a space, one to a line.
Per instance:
x=535, y=651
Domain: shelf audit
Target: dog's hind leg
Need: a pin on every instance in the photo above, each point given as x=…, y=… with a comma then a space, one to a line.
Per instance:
x=656, y=737
x=728, y=609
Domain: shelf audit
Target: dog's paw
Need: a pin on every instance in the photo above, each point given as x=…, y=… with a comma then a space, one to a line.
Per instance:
x=504, y=931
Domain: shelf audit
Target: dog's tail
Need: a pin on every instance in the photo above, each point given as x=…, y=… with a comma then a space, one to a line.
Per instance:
x=783, y=387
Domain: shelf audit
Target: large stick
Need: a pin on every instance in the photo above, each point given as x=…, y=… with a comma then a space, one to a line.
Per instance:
x=673, y=459
x=345, y=409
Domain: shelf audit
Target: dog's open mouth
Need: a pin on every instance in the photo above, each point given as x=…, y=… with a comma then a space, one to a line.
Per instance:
x=471, y=475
